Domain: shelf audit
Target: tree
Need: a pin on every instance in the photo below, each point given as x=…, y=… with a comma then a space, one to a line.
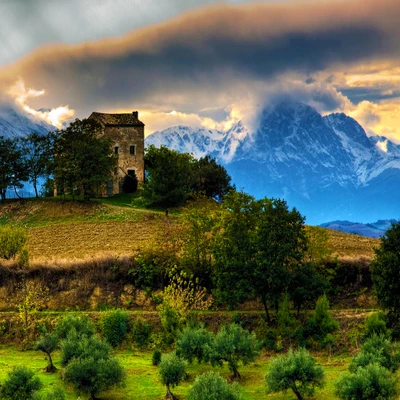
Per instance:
x=386, y=273
x=21, y=384
x=372, y=382
x=48, y=342
x=211, y=179
x=296, y=371
x=172, y=372
x=12, y=167
x=81, y=325
x=114, y=326
x=211, y=386
x=257, y=246
x=194, y=343
x=84, y=160
x=234, y=344
x=169, y=176
x=12, y=241
x=38, y=156
x=92, y=376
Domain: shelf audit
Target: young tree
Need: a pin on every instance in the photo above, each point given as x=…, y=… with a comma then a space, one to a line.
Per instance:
x=84, y=160
x=172, y=372
x=12, y=166
x=48, y=342
x=234, y=344
x=372, y=382
x=386, y=273
x=38, y=156
x=211, y=386
x=296, y=371
x=20, y=384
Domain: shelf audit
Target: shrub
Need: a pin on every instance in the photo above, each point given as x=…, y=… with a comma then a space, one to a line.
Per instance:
x=21, y=384
x=234, y=344
x=172, y=372
x=372, y=382
x=141, y=333
x=296, y=371
x=156, y=357
x=81, y=325
x=194, y=343
x=12, y=241
x=375, y=324
x=92, y=376
x=56, y=393
x=114, y=326
x=211, y=386
x=286, y=322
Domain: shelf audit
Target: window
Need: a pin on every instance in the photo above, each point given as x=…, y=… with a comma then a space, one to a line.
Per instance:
x=132, y=150
x=116, y=150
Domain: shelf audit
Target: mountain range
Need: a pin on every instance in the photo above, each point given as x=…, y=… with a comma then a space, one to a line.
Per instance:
x=326, y=166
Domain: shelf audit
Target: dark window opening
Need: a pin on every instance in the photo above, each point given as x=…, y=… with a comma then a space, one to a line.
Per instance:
x=116, y=150
x=132, y=150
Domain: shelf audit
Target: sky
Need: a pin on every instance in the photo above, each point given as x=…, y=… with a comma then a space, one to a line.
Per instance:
x=203, y=63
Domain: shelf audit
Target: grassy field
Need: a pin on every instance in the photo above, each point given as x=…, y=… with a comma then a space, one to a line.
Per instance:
x=73, y=229
x=142, y=380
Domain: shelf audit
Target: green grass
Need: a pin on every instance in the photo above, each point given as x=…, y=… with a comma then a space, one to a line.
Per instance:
x=143, y=383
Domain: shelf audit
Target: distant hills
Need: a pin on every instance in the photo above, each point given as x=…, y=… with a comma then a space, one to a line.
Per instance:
x=374, y=230
x=327, y=167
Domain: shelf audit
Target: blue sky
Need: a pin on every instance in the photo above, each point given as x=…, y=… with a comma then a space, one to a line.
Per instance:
x=201, y=63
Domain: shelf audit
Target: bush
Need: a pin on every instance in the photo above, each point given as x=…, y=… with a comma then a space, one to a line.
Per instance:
x=12, y=241
x=114, y=326
x=286, y=322
x=296, y=371
x=378, y=350
x=156, y=357
x=92, y=376
x=55, y=393
x=141, y=332
x=172, y=372
x=234, y=344
x=81, y=325
x=368, y=383
x=21, y=384
x=211, y=386
x=194, y=343
x=375, y=324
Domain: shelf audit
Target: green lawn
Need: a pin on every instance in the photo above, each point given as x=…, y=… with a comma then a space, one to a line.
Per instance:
x=142, y=381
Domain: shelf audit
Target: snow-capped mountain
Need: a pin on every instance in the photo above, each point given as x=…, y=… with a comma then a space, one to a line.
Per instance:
x=16, y=124
x=325, y=166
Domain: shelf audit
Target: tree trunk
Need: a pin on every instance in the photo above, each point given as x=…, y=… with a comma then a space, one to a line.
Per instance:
x=297, y=393
x=169, y=394
x=50, y=366
x=236, y=375
x=35, y=187
x=264, y=301
x=15, y=190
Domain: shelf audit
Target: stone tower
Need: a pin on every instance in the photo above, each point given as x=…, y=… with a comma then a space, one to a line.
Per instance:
x=127, y=134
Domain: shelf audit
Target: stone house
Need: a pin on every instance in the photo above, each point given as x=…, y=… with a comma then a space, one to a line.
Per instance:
x=127, y=134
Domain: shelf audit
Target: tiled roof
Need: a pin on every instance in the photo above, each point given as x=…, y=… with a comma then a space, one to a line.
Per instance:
x=130, y=119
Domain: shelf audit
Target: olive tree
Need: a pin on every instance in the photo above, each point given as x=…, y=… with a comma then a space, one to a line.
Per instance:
x=172, y=372
x=48, y=342
x=20, y=384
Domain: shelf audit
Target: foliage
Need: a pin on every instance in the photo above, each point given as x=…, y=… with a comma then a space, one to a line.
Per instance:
x=286, y=322
x=12, y=241
x=194, y=343
x=385, y=269
x=38, y=157
x=234, y=344
x=114, y=326
x=56, y=393
x=318, y=251
x=296, y=371
x=375, y=324
x=78, y=346
x=172, y=372
x=257, y=245
x=169, y=176
x=372, y=382
x=321, y=325
x=21, y=383
x=156, y=357
x=48, y=342
x=211, y=386
x=141, y=333
x=92, y=376
x=12, y=167
x=80, y=325
x=379, y=350
x=211, y=178
x=84, y=159
x=169, y=321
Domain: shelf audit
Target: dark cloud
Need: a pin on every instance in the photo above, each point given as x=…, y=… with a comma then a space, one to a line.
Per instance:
x=192, y=59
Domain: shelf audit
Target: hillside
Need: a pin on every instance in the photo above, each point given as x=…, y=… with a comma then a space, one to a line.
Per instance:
x=68, y=229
